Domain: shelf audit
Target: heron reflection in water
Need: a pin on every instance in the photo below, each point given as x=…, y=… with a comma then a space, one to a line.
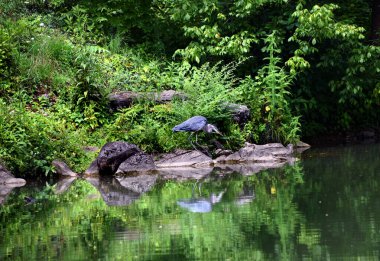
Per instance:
x=201, y=204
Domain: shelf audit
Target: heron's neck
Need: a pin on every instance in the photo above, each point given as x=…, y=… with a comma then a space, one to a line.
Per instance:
x=207, y=128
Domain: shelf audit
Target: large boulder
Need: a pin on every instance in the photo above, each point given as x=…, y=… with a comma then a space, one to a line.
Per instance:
x=140, y=162
x=113, y=154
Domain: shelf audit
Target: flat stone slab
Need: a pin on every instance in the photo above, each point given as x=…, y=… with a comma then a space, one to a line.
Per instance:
x=180, y=158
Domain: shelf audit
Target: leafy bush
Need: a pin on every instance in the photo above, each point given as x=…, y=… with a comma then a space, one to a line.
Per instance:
x=29, y=140
x=6, y=61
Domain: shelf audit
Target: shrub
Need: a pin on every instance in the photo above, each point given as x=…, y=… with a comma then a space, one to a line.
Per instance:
x=6, y=61
x=29, y=140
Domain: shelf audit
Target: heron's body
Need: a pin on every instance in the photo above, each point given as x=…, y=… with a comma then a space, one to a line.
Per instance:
x=194, y=125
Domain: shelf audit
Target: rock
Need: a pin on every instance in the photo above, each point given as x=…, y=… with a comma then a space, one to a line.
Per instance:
x=169, y=95
x=93, y=169
x=240, y=113
x=366, y=134
x=222, y=152
x=15, y=182
x=272, y=152
x=90, y=148
x=139, y=184
x=4, y=174
x=113, y=154
x=112, y=192
x=184, y=173
x=62, y=169
x=248, y=168
x=183, y=158
x=63, y=184
x=301, y=147
x=4, y=192
x=138, y=162
x=125, y=99
x=7, y=183
x=301, y=144
x=6, y=178
x=122, y=99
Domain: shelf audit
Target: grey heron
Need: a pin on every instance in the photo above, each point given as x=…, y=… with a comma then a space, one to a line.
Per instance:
x=194, y=125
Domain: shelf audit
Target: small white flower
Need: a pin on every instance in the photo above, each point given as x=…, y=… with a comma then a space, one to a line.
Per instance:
x=42, y=25
x=32, y=38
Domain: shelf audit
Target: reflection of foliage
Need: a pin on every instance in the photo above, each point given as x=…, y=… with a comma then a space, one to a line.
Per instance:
x=155, y=223
x=343, y=186
x=284, y=220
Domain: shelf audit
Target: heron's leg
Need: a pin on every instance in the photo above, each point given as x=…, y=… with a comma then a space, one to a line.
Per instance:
x=190, y=140
x=196, y=140
x=204, y=149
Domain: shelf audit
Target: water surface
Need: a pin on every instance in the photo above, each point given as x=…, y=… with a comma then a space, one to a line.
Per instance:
x=324, y=207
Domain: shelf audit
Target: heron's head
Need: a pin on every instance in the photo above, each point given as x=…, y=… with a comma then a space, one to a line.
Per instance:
x=209, y=128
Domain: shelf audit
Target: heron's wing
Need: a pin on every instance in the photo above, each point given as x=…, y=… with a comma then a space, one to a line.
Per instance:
x=195, y=123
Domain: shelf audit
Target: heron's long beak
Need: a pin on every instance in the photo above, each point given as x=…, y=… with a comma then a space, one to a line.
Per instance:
x=211, y=128
x=218, y=132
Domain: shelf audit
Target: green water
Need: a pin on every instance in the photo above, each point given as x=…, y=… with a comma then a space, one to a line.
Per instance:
x=324, y=207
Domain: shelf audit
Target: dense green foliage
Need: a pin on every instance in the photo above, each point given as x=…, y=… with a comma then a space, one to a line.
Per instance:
x=302, y=67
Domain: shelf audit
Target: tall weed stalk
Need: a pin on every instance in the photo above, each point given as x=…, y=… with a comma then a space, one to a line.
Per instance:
x=267, y=94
